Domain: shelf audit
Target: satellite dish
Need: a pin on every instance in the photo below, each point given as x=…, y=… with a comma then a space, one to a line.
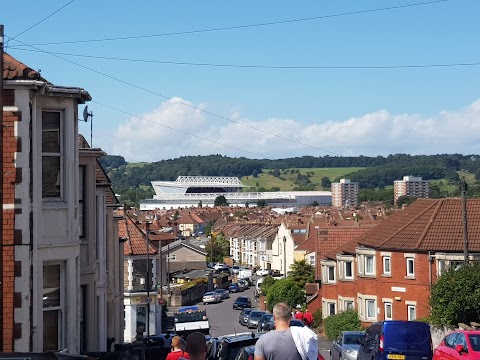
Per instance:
x=86, y=114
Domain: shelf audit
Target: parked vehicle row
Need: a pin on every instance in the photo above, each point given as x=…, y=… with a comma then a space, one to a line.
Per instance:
x=215, y=296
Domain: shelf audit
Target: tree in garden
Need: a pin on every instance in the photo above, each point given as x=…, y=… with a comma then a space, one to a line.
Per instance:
x=217, y=248
x=220, y=201
x=455, y=297
x=477, y=175
x=261, y=203
x=404, y=200
x=302, y=272
x=287, y=291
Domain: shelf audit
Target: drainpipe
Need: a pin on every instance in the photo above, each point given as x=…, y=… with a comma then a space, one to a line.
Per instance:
x=1, y=187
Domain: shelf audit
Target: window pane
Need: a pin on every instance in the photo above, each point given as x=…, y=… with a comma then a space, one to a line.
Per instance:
x=369, y=265
x=348, y=269
x=141, y=319
x=50, y=176
x=331, y=273
x=411, y=313
x=386, y=262
x=348, y=305
x=50, y=330
x=388, y=311
x=370, y=309
x=51, y=132
x=410, y=263
x=51, y=285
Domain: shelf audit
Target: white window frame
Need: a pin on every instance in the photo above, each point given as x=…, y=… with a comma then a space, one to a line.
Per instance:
x=387, y=260
x=60, y=154
x=408, y=261
x=312, y=260
x=385, y=306
x=348, y=302
x=366, y=258
x=60, y=309
x=334, y=303
x=369, y=316
x=345, y=276
x=411, y=307
x=331, y=271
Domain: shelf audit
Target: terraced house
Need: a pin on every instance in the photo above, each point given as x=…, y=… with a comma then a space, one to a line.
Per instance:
x=387, y=272
x=60, y=254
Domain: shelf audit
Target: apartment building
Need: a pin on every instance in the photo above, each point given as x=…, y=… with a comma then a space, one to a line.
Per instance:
x=344, y=193
x=411, y=186
x=387, y=272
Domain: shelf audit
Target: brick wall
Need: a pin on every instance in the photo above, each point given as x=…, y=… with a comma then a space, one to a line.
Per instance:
x=10, y=237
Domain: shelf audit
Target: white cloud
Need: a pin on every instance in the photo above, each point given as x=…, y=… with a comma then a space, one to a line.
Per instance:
x=375, y=133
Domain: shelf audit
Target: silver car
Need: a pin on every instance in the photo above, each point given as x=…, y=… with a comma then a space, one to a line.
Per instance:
x=254, y=318
x=346, y=346
x=211, y=297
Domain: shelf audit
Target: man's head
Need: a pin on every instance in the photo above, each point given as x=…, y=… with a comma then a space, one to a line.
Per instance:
x=177, y=342
x=282, y=313
x=196, y=345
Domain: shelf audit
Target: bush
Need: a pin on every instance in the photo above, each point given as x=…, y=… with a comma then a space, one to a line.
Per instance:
x=317, y=319
x=343, y=321
x=455, y=298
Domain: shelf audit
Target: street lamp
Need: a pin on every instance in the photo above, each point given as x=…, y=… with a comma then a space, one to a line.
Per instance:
x=147, y=282
x=285, y=256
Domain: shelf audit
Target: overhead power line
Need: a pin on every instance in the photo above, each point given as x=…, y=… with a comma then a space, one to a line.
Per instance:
x=182, y=103
x=39, y=22
x=259, y=66
x=188, y=32
x=179, y=131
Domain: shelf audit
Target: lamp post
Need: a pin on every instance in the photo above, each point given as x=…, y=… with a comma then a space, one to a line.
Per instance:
x=284, y=256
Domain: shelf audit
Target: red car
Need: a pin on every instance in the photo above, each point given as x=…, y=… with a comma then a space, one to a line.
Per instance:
x=461, y=344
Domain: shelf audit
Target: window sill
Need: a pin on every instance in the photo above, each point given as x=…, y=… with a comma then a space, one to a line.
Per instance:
x=366, y=276
x=347, y=280
x=410, y=277
x=387, y=275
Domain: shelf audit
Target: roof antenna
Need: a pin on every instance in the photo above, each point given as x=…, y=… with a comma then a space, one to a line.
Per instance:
x=87, y=114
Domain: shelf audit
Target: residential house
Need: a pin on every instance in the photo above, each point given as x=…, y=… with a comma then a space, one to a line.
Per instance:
x=387, y=272
x=287, y=239
x=51, y=230
x=182, y=256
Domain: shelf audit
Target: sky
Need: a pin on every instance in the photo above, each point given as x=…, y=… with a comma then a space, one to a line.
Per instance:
x=262, y=79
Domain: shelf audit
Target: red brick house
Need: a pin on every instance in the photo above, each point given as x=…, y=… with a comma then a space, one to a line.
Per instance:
x=387, y=272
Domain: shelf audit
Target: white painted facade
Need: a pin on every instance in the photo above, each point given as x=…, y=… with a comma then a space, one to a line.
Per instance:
x=54, y=261
x=283, y=248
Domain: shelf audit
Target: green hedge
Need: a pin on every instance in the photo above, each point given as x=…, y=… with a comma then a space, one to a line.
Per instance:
x=343, y=321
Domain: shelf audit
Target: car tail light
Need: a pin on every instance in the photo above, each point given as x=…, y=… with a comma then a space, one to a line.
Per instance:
x=250, y=357
x=320, y=357
x=380, y=346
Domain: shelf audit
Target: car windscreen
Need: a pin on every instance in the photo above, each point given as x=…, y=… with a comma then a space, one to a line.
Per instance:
x=242, y=300
x=353, y=339
x=256, y=315
x=475, y=341
x=407, y=336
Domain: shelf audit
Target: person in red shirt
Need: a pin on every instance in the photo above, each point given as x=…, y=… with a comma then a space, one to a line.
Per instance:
x=298, y=315
x=177, y=351
x=307, y=318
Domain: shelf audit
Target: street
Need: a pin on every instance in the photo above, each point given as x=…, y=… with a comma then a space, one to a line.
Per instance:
x=223, y=319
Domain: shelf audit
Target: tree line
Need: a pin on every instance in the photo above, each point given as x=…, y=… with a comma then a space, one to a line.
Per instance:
x=379, y=171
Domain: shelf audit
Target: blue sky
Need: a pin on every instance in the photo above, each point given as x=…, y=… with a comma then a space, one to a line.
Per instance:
x=265, y=112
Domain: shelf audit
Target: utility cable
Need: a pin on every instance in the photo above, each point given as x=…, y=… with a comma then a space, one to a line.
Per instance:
x=182, y=103
x=245, y=26
x=177, y=130
x=257, y=66
x=39, y=22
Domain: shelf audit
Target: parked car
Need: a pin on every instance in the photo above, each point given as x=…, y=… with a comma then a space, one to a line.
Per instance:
x=346, y=345
x=243, y=316
x=242, y=302
x=246, y=353
x=265, y=319
x=270, y=325
x=460, y=344
x=211, y=297
x=243, y=283
x=234, y=287
x=262, y=272
x=254, y=318
x=227, y=347
x=398, y=340
x=224, y=294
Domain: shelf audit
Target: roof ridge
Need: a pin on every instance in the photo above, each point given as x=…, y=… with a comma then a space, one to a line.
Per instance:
x=434, y=215
x=408, y=223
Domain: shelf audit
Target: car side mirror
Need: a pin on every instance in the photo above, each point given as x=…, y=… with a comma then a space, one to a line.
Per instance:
x=460, y=349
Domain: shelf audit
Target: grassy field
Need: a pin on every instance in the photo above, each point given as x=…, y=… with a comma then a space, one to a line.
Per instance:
x=268, y=181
